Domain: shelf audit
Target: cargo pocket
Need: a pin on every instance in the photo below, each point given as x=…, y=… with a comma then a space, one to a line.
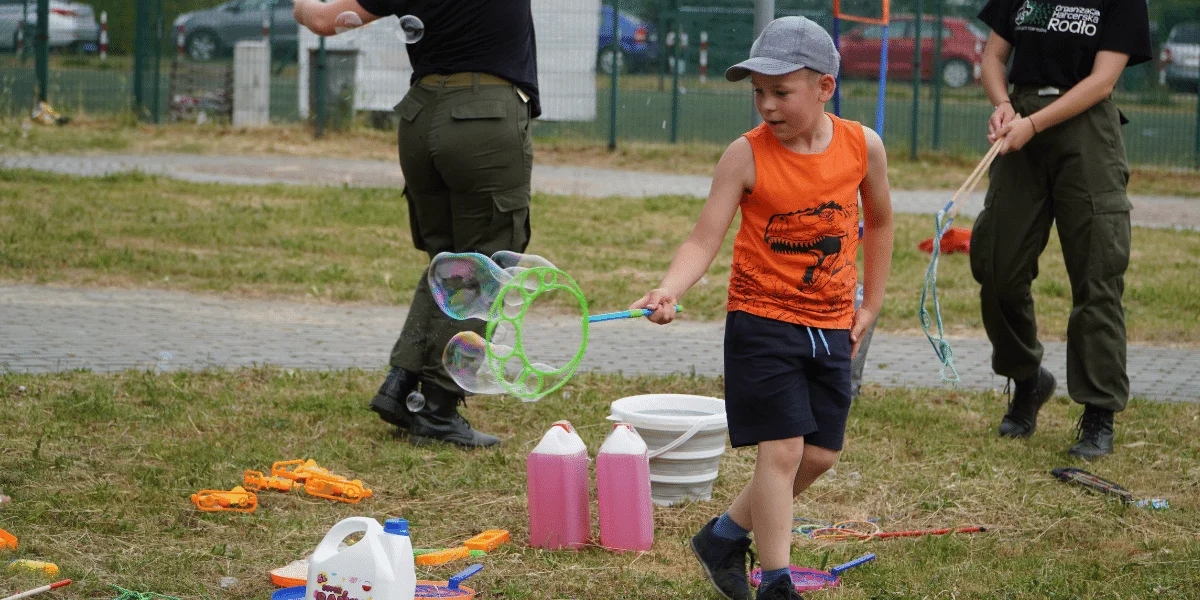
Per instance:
x=409, y=108
x=981, y=245
x=414, y=226
x=511, y=228
x=1109, y=256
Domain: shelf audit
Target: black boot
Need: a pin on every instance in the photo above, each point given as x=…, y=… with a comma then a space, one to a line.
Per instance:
x=1021, y=419
x=399, y=387
x=439, y=421
x=1095, y=434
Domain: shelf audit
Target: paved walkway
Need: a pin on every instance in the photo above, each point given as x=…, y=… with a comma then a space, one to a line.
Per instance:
x=1149, y=211
x=46, y=329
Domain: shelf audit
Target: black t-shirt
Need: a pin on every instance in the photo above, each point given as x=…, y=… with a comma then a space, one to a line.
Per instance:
x=1055, y=41
x=485, y=36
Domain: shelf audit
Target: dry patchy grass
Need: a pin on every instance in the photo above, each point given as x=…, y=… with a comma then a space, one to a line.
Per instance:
x=100, y=468
x=99, y=136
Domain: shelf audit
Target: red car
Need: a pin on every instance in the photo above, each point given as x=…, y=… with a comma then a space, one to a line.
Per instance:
x=962, y=50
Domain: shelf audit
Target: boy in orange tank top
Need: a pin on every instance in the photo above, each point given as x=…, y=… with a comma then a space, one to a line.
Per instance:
x=792, y=329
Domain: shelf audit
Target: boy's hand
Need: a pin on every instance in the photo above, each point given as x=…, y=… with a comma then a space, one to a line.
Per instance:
x=863, y=317
x=662, y=302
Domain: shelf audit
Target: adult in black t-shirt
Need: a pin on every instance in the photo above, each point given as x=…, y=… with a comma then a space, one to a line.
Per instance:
x=467, y=156
x=1062, y=163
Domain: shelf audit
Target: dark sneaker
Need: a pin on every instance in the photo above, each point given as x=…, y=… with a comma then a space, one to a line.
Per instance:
x=389, y=402
x=1095, y=434
x=724, y=562
x=1021, y=419
x=783, y=589
x=438, y=421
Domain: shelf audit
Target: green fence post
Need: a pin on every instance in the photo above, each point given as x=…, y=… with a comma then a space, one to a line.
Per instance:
x=42, y=49
x=23, y=31
x=139, y=56
x=918, y=15
x=1196, y=148
x=155, y=105
x=937, y=75
x=321, y=99
x=615, y=73
x=678, y=31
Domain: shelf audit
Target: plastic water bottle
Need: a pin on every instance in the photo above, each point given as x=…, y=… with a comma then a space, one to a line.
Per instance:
x=401, y=550
x=623, y=490
x=559, y=508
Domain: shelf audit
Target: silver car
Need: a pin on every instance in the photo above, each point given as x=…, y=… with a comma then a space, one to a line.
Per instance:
x=72, y=25
x=213, y=32
x=1180, y=58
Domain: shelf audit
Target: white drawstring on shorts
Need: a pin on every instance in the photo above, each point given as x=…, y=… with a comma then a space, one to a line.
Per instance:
x=813, y=341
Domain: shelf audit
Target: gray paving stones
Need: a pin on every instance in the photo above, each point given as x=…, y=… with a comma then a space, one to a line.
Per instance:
x=47, y=329
x=1148, y=211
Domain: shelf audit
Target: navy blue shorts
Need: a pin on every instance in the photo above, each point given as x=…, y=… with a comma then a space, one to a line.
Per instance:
x=784, y=380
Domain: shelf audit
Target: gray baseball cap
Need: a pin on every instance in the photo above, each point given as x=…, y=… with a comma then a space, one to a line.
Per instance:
x=789, y=44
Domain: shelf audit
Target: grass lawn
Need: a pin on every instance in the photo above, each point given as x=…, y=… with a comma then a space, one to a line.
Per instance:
x=353, y=245
x=89, y=135
x=100, y=469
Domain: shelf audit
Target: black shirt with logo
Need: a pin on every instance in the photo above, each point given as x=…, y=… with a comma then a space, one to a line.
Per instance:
x=484, y=36
x=1055, y=41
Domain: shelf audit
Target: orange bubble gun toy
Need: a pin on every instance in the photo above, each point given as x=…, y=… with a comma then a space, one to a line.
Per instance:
x=301, y=469
x=237, y=499
x=7, y=540
x=336, y=488
x=488, y=540
x=255, y=481
x=441, y=557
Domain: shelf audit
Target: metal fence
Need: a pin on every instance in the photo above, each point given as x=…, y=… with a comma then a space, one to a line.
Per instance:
x=669, y=75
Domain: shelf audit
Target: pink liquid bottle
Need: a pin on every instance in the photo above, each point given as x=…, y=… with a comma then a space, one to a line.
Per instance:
x=559, y=508
x=623, y=490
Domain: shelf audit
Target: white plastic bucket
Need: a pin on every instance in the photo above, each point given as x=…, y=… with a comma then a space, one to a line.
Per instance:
x=686, y=438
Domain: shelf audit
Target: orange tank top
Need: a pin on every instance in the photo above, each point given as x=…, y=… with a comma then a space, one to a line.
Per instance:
x=793, y=258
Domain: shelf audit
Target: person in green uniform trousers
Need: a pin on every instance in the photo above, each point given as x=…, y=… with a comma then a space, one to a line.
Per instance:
x=1062, y=163
x=467, y=157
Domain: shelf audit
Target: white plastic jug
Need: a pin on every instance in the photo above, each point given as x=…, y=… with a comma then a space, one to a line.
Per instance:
x=623, y=491
x=380, y=566
x=559, y=508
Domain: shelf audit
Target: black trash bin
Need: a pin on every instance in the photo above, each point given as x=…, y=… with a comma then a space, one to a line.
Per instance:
x=340, y=68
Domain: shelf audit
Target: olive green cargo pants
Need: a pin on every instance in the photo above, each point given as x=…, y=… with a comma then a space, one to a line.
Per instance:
x=1073, y=176
x=467, y=157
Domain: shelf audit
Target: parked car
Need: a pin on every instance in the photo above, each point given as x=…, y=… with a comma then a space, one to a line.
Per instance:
x=962, y=50
x=72, y=25
x=1180, y=58
x=639, y=43
x=211, y=33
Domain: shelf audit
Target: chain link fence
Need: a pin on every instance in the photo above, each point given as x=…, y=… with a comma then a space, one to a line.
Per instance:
x=173, y=60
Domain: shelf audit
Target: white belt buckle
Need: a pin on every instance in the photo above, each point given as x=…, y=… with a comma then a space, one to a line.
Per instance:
x=1049, y=91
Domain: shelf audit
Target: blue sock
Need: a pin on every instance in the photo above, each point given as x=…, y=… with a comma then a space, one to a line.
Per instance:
x=728, y=529
x=770, y=577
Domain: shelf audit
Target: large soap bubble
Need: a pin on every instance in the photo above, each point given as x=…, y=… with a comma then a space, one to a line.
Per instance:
x=411, y=29
x=347, y=21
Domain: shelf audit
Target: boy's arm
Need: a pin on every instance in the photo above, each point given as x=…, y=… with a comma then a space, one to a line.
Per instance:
x=734, y=175
x=877, y=237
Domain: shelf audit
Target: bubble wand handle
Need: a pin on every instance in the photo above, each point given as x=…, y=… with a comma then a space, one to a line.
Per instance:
x=39, y=590
x=625, y=314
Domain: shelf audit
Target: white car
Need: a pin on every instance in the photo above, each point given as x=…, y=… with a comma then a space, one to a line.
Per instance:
x=72, y=25
x=1180, y=58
